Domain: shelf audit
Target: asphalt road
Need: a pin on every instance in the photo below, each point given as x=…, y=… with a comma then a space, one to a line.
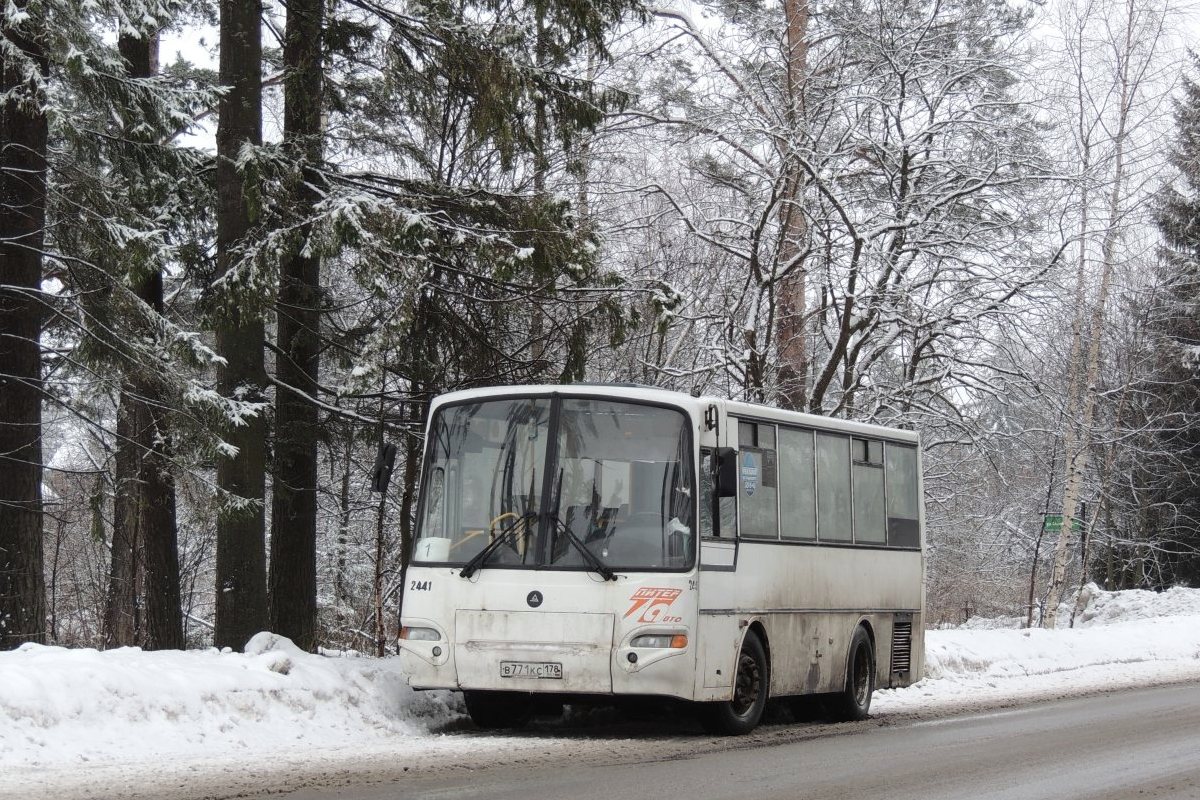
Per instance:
x=1136, y=744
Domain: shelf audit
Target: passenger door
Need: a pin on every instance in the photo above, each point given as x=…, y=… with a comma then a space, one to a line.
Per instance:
x=718, y=632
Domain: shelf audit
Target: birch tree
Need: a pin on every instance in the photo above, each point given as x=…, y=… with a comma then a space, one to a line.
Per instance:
x=1132, y=44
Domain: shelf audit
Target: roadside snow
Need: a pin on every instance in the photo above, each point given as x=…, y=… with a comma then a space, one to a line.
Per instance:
x=60, y=706
x=1104, y=608
x=1119, y=639
x=91, y=722
x=952, y=655
x=967, y=669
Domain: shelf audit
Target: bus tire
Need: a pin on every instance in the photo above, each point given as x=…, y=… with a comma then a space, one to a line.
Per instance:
x=740, y=714
x=854, y=702
x=498, y=710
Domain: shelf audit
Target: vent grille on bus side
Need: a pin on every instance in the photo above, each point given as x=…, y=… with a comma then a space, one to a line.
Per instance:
x=901, y=646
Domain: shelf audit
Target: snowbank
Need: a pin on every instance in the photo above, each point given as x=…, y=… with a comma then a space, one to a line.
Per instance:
x=1022, y=653
x=1120, y=639
x=1104, y=608
x=62, y=709
x=1113, y=628
x=84, y=706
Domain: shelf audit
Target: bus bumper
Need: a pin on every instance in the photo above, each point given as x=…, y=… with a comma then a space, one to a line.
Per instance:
x=565, y=653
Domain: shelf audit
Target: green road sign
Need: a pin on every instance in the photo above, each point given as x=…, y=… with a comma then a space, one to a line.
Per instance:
x=1052, y=523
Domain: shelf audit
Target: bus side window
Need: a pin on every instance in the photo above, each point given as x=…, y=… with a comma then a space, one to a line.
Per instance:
x=728, y=516
x=903, y=504
x=834, y=522
x=758, y=481
x=725, y=522
x=708, y=488
x=867, y=475
x=797, y=499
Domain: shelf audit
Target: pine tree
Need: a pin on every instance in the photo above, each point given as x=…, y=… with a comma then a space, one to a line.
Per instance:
x=237, y=297
x=293, y=578
x=143, y=604
x=118, y=183
x=1174, y=478
x=460, y=247
x=24, y=129
x=156, y=527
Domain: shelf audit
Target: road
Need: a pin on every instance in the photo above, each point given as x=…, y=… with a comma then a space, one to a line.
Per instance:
x=1137, y=744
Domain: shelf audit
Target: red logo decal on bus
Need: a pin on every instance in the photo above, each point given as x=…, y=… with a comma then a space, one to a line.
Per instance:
x=652, y=603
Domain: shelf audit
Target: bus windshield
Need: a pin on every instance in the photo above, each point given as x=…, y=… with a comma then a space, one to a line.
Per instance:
x=618, y=482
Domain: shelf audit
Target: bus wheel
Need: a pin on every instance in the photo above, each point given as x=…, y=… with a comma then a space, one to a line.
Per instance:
x=740, y=715
x=495, y=710
x=854, y=701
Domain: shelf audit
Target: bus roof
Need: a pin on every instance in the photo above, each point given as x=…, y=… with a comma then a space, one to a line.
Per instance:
x=695, y=405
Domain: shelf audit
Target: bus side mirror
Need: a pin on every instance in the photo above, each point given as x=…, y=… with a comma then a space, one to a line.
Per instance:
x=381, y=473
x=726, y=477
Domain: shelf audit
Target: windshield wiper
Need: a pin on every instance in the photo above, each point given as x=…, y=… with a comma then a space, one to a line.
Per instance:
x=472, y=566
x=593, y=560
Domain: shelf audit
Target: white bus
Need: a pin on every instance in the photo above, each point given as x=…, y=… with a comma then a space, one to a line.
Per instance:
x=612, y=540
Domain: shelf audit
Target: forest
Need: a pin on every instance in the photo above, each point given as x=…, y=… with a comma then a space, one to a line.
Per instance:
x=244, y=242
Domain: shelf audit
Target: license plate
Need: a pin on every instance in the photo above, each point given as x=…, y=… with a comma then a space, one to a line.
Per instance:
x=531, y=669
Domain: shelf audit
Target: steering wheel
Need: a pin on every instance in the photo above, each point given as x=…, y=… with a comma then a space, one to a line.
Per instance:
x=491, y=531
x=492, y=525
x=466, y=539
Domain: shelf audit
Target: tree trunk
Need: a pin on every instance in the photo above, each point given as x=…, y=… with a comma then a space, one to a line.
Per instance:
x=755, y=378
x=163, y=617
x=23, y=135
x=241, y=590
x=1037, y=545
x=1086, y=534
x=793, y=352
x=377, y=583
x=293, y=583
x=539, y=336
x=145, y=550
x=412, y=473
x=341, y=600
x=52, y=583
x=122, y=626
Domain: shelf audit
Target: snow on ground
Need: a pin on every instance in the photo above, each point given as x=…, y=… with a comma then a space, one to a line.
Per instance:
x=60, y=706
x=1119, y=639
x=69, y=713
x=1098, y=607
x=968, y=669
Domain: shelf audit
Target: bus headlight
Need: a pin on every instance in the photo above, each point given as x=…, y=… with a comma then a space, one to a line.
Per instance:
x=420, y=634
x=671, y=641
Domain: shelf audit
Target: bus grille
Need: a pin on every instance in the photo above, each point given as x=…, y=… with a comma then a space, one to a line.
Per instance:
x=901, y=646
